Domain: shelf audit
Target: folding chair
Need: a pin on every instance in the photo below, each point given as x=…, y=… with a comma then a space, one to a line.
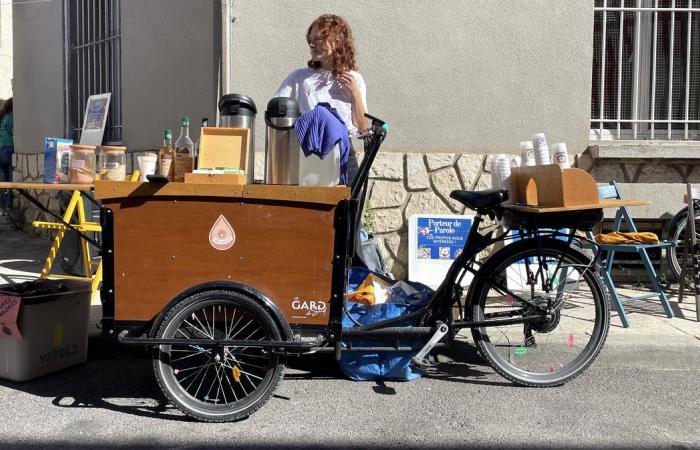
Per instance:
x=612, y=192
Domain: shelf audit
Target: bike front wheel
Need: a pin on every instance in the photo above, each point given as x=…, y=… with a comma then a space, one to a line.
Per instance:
x=217, y=383
x=519, y=280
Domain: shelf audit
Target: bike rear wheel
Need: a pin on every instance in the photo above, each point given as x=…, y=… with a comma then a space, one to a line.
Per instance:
x=551, y=350
x=677, y=234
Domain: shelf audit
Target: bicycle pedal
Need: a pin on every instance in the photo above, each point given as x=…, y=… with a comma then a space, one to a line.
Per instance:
x=420, y=359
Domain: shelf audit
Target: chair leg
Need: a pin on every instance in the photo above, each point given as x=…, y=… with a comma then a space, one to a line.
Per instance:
x=607, y=279
x=655, y=282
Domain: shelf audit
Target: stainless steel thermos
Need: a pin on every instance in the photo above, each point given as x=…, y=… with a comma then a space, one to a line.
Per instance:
x=281, y=142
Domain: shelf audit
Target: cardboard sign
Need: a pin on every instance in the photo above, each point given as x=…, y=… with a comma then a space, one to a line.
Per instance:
x=9, y=310
x=96, y=111
x=434, y=242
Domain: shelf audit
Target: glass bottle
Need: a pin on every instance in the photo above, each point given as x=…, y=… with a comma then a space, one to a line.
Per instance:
x=184, y=151
x=205, y=124
x=166, y=156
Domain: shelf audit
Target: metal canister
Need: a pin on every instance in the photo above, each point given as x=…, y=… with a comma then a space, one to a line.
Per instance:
x=238, y=111
x=281, y=142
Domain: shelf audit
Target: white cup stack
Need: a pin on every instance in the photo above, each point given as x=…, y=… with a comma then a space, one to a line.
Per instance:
x=515, y=161
x=561, y=155
x=542, y=156
x=502, y=169
x=495, y=173
x=527, y=153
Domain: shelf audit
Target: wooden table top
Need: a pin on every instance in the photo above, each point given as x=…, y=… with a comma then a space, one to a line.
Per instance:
x=46, y=186
x=606, y=203
x=324, y=195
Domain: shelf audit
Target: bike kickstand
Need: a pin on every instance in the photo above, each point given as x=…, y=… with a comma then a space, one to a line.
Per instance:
x=421, y=357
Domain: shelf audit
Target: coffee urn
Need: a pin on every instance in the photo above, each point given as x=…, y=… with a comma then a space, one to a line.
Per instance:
x=281, y=142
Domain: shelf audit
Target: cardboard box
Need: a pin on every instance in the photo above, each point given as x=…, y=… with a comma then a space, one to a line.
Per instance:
x=56, y=160
x=223, y=147
x=51, y=329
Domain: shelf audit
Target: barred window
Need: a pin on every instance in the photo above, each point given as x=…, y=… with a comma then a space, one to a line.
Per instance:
x=646, y=69
x=93, y=41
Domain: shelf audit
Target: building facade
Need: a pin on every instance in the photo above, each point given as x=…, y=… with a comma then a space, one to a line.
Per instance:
x=458, y=83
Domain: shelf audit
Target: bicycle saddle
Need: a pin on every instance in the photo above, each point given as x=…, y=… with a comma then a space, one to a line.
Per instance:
x=480, y=199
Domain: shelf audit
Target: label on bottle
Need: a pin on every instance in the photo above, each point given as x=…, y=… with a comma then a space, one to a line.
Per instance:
x=166, y=162
x=183, y=165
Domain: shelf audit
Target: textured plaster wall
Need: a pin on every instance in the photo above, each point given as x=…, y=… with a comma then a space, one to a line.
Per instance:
x=5, y=50
x=468, y=76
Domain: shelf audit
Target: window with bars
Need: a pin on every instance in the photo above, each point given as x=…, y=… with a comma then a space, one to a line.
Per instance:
x=646, y=68
x=94, y=62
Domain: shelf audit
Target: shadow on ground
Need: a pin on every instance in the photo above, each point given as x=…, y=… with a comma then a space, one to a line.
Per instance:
x=120, y=378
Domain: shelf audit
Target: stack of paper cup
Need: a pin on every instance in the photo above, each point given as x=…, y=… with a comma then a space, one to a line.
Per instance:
x=495, y=173
x=147, y=165
x=527, y=153
x=502, y=168
x=541, y=150
x=515, y=161
x=561, y=155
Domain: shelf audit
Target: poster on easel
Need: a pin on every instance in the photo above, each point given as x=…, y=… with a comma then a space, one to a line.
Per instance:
x=96, y=111
x=434, y=242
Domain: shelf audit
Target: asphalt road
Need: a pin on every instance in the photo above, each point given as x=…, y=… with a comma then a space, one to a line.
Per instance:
x=634, y=396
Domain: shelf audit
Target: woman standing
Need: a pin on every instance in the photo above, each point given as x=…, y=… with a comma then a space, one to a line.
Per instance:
x=6, y=150
x=331, y=76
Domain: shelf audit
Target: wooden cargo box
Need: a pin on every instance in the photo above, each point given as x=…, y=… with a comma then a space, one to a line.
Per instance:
x=171, y=237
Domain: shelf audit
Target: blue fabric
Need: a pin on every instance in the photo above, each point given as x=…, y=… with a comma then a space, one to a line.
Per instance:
x=373, y=366
x=319, y=130
x=6, y=175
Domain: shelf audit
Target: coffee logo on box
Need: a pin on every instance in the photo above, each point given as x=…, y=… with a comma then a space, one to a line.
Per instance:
x=221, y=235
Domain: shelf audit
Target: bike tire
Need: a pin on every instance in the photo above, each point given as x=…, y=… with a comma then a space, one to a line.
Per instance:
x=676, y=233
x=528, y=362
x=231, y=368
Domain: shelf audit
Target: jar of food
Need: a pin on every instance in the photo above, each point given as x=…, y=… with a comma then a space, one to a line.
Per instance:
x=113, y=163
x=82, y=164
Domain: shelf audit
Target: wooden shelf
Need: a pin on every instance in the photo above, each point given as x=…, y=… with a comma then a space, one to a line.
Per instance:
x=47, y=186
x=304, y=194
x=609, y=203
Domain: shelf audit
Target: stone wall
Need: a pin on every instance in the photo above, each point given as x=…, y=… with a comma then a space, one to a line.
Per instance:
x=403, y=184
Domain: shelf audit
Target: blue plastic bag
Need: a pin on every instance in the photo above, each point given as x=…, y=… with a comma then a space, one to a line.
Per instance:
x=374, y=366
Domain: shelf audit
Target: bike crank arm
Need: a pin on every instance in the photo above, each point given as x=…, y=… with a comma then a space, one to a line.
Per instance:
x=420, y=358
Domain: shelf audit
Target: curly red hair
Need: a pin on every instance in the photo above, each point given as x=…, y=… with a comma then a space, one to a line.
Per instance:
x=338, y=32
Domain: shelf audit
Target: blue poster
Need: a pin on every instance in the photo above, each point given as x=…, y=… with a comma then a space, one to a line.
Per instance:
x=441, y=238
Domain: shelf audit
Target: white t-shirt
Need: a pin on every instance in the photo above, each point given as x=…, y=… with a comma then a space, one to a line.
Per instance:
x=312, y=86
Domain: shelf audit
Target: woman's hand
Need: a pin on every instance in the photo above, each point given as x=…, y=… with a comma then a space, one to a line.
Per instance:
x=348, y=82
x=358, y=108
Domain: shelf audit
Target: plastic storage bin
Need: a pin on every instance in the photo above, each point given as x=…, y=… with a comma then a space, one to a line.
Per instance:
x=314, y=171
x=53, y=322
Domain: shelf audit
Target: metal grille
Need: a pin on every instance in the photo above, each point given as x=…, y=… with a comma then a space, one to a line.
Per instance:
x=646, y=69
x=94, y=62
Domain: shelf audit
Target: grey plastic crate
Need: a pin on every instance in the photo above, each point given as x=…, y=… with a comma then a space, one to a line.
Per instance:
x=54, y=328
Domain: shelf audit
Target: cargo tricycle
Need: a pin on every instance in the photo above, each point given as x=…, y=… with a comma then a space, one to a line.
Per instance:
x=227, y=282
